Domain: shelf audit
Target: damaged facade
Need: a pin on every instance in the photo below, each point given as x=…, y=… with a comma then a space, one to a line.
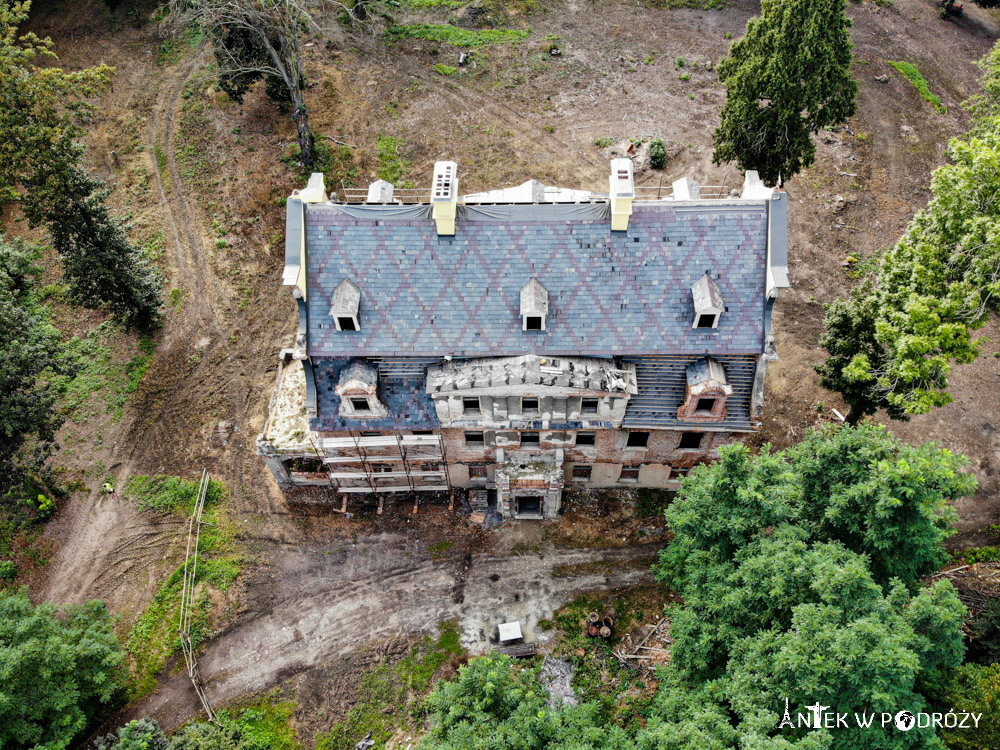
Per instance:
x=521, y=340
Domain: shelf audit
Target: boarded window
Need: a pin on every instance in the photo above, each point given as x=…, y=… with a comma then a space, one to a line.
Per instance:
x=582, y=471
x=478, y=472
x=630, y=473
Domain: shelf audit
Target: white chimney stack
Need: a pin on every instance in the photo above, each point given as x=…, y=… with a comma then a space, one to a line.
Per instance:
x=444, y=196
x=622, y=192
x=380, y=191
x=686, y=189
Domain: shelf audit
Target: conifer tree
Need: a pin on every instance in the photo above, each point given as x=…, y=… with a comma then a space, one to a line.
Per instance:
x=102, y=267
x=41, y=118
x=785, y=79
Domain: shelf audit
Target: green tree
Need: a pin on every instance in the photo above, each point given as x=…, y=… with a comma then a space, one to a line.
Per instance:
x=495, y=704
x=785, y=79
x=859, y=486
x=30, y=352
x=57, y=674
x=892, y=344
x=797, y=570
x=101, y=264
x=41, y=121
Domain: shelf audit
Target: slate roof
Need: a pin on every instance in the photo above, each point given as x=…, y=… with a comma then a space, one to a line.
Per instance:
x=410, y=407
x=609, y=293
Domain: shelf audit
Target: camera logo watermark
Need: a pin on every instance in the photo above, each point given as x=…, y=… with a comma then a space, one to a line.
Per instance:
x=818, y=716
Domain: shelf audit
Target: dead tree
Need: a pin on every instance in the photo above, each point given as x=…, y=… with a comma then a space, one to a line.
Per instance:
x=269, y=32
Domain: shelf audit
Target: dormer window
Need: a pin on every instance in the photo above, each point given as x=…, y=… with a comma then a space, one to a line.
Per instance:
x=708, y=302
x=707, y=392
x=345, y=305
x=358, y=391
x=534, y=306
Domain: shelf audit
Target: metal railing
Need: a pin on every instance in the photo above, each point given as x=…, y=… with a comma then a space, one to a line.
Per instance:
x=642, y=192
x=661, y=192
x=399, y=195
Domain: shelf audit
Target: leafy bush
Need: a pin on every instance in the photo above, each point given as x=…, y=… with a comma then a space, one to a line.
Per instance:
x=264, y=725
x=976, y=689
x=984, y=646
x=391, y=166
x=657, y=153
x=650, y=503
x=8, y=570
x=892, y=343
x=139, y=734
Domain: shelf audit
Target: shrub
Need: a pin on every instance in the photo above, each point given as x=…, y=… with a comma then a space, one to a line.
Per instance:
x=8, y=570
x=657, y=153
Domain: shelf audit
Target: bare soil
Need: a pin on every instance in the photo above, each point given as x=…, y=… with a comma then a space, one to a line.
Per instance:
x=206, y=174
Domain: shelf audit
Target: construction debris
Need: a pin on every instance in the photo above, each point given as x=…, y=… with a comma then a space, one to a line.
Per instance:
x=977, y=585
x=652, y=650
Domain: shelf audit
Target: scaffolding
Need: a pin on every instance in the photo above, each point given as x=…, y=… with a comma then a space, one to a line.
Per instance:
x=386, y=464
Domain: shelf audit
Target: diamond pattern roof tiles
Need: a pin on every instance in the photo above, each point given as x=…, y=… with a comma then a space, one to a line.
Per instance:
x=609, y=293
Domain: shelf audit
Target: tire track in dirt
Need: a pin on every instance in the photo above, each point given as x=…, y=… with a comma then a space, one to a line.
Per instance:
x=190, y=250
x=109, y=538
x=314, y=607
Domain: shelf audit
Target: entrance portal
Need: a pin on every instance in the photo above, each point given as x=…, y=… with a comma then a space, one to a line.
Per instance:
x=528, y=505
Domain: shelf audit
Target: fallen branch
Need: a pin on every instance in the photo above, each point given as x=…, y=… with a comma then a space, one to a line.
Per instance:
x=339, y=142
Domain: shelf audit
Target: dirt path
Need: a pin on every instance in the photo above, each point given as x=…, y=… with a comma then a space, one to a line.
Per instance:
x=187, y=239
x=110, y=539
x=314, y=605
